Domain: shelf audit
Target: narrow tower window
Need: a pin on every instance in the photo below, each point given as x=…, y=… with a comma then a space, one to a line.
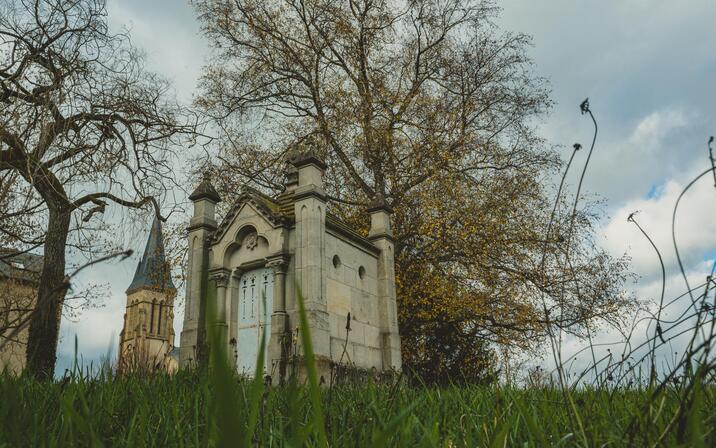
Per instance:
x=159, y=323
x=151, y=317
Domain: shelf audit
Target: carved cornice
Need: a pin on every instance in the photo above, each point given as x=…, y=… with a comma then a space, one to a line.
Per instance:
x=309, y=191
x=278, y=264
x=382, y=235
x=237, y=273
x=342, y=230
x=201, y=225
x=220, y=277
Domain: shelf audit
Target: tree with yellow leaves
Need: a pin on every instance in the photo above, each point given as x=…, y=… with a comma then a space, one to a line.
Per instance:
x=427, y=105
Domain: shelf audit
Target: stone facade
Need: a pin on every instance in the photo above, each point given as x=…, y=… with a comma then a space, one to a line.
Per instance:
x=147, y=339
x=266, y=250
x=19, y=274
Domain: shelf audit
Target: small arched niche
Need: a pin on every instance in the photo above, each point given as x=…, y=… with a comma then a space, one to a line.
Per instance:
x=247, y=246
x=361, y=272
x=249, y=239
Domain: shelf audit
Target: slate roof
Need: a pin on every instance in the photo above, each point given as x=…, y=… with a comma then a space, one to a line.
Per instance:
x=153, y=270
x=18, y=265
x=205, y=190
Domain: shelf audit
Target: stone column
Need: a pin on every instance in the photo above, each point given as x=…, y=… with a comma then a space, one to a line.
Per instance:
x=310, y=212
x=277, y=353
x=221, y=280
x=279, y=267
x=381, y=234
x=234, y=298
x=201, y=227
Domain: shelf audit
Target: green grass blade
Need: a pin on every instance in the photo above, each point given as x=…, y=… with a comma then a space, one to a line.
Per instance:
x=314, y=387
x=257, y=387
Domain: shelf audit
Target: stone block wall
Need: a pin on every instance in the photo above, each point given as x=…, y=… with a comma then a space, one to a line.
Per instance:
x=349, y=292
x=17, y=300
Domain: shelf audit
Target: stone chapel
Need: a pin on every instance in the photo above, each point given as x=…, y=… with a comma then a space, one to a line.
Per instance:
x=273, y=246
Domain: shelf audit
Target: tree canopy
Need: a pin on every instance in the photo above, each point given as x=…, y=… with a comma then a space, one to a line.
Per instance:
x=427, y=105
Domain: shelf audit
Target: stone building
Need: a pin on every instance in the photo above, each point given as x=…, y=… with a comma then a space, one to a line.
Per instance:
x=147, y=339
x=265, y=250
x=19, y=276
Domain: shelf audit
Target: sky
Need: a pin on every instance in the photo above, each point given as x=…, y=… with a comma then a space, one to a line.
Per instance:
x=648, y=69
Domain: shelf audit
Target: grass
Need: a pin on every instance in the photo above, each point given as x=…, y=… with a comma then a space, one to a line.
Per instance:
x=214, y=407
x=181, y=411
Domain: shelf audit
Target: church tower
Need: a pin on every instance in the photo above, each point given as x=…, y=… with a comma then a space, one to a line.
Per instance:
x=147, y=339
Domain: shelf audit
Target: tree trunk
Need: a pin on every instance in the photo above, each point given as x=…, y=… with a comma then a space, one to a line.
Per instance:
x=45, y=322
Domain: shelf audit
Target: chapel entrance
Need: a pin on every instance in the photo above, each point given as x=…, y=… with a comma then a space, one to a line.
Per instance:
x=254, y=318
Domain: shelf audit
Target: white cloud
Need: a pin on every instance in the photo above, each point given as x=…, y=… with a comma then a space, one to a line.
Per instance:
x=96, y=332
x=652, y=129
x=647, y=63
x=577, y=356
x=695, y=226
x=696, y=238
x=172, y=45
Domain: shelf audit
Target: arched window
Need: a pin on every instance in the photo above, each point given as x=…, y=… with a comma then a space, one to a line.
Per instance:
x=244, y=286
x=151, y=316
x=159, y=319
x=253, y=295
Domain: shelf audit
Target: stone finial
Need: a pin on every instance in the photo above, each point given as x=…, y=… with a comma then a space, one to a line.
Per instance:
x=302, y=152
x=290, y=177
x=380, y=212
x=309, y=157
x=379, y=203
x=310, y=167
x=205, y=190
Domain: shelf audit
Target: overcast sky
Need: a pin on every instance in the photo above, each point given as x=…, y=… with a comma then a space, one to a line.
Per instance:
x=648, y=68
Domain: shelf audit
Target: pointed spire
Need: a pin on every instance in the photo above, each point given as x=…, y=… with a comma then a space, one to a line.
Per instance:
x=153, y=270
x=205, y=190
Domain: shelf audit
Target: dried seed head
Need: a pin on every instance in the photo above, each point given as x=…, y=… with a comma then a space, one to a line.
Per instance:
x=584, y=107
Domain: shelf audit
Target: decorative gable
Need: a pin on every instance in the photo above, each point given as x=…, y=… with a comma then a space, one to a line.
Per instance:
x=266, y=207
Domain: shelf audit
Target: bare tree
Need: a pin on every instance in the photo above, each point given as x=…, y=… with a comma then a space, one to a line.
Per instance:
x=84, y=125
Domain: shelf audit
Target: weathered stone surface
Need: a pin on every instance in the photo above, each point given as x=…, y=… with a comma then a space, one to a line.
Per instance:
x=338, y=272
x=19, y=276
